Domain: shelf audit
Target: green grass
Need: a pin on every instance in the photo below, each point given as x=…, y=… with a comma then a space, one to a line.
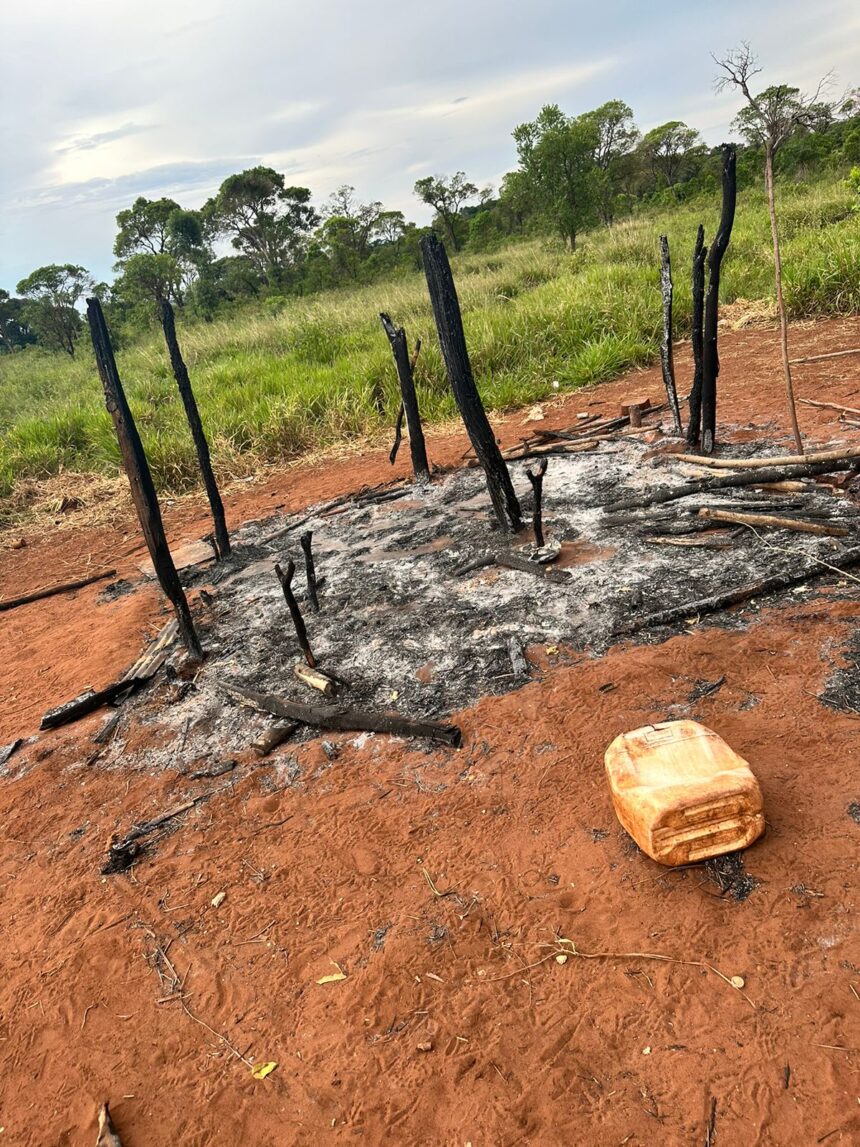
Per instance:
x=272, y=385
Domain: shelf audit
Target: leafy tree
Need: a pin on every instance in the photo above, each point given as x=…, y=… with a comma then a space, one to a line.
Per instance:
x=160, y=249
x=446, y=195
x=769, y=120
x=668, y=151
x=556, y=154
x=14, y=330
x=268, y=222
x=52, y=294
x=349, y=231
x=616, y=137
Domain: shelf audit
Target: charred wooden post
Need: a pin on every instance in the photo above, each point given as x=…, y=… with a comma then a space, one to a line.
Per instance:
x=201, y=446
x=710, y=356
x=139, y=477
x=285, y=577
x=667, y=357
x=536, y=478
x=310, y=569
x=417, y=445
x=449, y=324
x=694, y=426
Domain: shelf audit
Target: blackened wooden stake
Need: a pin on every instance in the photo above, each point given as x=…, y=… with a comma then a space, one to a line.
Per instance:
x=536, y=478
x=139, y=477
x=180, y=373
x=694, y=426
x=710, y=356
x=310, y=569
x=285, y=577
x=449, y=324
x=400, y=350
x=667, y=358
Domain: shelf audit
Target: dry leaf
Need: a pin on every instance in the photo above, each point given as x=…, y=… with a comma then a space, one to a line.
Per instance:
x=262, y=1070
x=218, y=899
x=551, y=649
x=334, y=977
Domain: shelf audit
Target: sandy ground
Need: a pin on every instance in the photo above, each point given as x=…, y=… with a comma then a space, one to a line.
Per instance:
x=437, y=881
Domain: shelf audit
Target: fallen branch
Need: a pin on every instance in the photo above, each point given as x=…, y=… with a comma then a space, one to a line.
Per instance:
x=819, y=358
x=52, y=591
x=90, y=701
x=729, y=481
x=722, y=601
x=122, y=852
x=341, y=717
x=774, y=523
x=763, y=463
x=285, y=577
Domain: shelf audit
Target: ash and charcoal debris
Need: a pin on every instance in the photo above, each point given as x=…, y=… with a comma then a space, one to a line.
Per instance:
x=730, y=876
x=842, y=690
x=408, y=634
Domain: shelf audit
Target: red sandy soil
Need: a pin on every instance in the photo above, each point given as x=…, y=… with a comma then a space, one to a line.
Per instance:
x=438, y=881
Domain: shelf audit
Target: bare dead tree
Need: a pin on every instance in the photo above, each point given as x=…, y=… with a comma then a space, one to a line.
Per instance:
x=768, y=120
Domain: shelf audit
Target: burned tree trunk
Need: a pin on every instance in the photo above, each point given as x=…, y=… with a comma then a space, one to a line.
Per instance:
x=536, y=478
x=285, y=577
x=139, y=477
x=667, y=358
x=449, y=323
x=310, y=569
x=201, y=446
x=400, y=350
x=710, y=356
x=694, y=426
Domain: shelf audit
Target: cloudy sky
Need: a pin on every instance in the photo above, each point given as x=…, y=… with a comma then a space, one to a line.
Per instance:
x=104, y=100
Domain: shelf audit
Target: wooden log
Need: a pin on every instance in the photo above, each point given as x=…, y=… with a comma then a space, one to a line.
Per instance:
x=341, y=717
x=710, y=355
x=316, y=679
x=667, y=358
x=201, y=445
x=771, y=521
x=449, y=324
x=285, y=577
x=820, y=358
x=310, y=569
x=139, y=477
x=724, y=600
x=90, y=701
x=267, y=742
x=765, y=463
x=694, y=425
x=479, y=563
x=536, y=479
x=727, y=481
x=635, y=416
x=417, y=445
x=53, y=590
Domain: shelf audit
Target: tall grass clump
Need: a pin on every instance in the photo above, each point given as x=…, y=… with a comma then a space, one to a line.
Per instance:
x=275, y=382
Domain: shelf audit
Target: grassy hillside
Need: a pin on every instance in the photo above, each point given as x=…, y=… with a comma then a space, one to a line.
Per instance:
x=272, y=385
